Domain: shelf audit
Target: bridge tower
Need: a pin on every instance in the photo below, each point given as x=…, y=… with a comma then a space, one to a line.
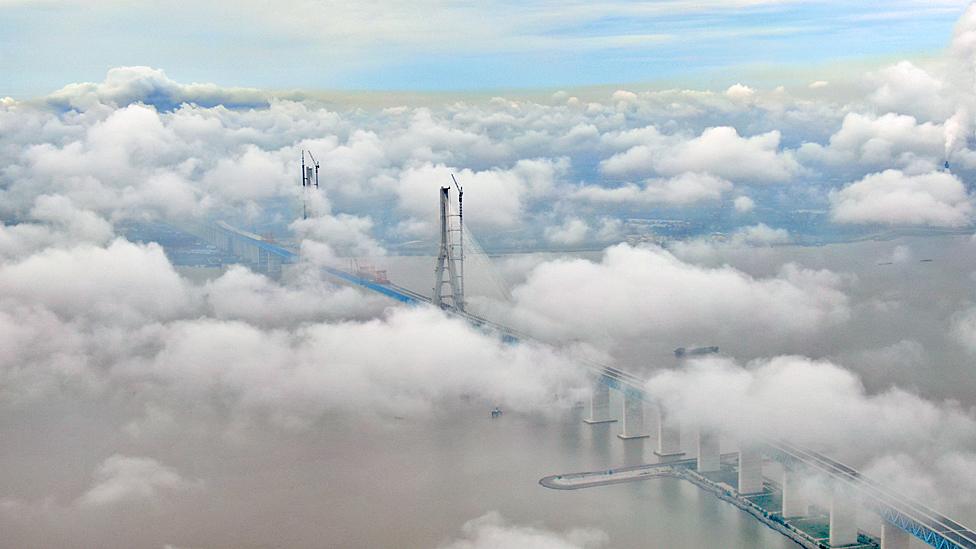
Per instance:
x=450, y=258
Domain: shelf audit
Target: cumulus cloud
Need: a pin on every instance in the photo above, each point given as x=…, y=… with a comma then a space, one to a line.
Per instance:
x=720, y=151
x=908, y=89
x=740, y=92
x=492, y=531
x=760, y=234
x=139, y=145
x=494, y=198
x=805, y=400
x=572, y=231
x=243, y=295
x=648, y=292
x=964, y=329
x=893, y=197
x=743, y=204
x=687, y=188
x=126, y=85
x=121, y=479
x=123, y=282
x=890, y=140
x=96, y=319
x=405, y=362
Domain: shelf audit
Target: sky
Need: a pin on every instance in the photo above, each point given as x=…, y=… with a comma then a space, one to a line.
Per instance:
x=436, y=45
x=645, y=217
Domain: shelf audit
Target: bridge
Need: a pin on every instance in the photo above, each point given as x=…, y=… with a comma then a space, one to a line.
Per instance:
x=902, y=517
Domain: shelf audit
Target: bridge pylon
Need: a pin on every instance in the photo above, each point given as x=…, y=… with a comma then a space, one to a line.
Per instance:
x=450, y=258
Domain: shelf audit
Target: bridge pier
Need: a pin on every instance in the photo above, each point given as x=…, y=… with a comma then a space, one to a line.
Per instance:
x=893, y=537
x=709, y=458
x=843, y=518
x=632, y=425
x=599, y=404
x=750, y=469
x=668, y=436
x=794, y=504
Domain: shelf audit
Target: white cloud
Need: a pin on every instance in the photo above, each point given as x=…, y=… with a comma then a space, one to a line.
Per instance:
x=491, y=531
x=907, y=89
x=940, y=480
x=964, y=329
x=121, y=479
x=493, y=198
x=896, y=198
x=126, y=85
x=573, y=231
x=241, y=294
x=740, y=92
x=683, y=189
x=880, y=142
x=805, y=401
x=403, y=363
x=649, y=293
x=743, y=204
x=720, y=151
x=761, y=235
x=123, y=282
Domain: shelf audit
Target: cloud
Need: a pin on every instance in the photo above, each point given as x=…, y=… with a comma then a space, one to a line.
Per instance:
x=243, y=295
x=329, y=237
x=944, y=481
x=880, y=142
x=380, y=366
x=573, y=231
x=720, y=151
x=91, y=320
x=743, y=204
x=127, y=85
x=907, y=89
x=964, y=329
x=684, y=189
x=121, y=479
x=647, y=292
x=895, y=198
x=494, y=198
x=123, y=282
x=740, y=92
x=805, y=400
x=491, y=531
x=760, y=234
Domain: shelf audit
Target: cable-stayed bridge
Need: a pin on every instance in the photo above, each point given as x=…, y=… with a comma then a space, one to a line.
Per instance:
x=902, y=517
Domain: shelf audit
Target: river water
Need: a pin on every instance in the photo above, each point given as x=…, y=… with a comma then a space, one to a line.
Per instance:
x=413, y=482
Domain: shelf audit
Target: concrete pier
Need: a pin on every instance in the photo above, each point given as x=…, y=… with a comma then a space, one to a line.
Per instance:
x=843, y=518
x=750, y=469
x=794, y=504
x=893, y=537
x=668, y=436
x=708, y=451
x=599, y=404
x=632, y=425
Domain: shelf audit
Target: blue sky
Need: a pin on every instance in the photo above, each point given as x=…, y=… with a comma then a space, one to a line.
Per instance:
x=433, y=45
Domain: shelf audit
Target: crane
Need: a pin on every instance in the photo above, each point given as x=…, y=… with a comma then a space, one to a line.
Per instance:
x=460, y=191
x=316, y=164
x=307, y=179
